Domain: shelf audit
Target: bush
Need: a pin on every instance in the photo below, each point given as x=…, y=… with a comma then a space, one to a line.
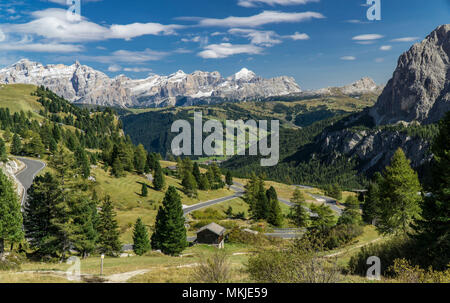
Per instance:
x=404, y=272
x=239, y=236
x=399, y=247
x=299, y=263
x=11, y=261
x=215, y=269
x=340, y=235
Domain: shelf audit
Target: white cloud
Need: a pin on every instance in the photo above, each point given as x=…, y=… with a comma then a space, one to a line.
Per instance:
x=264, y=38
x=125, y=56
x=266, y=17
x=2, y=36
x=386, y=47
x=197, y=39
x=41, y=47
x=405, y=39
x=114, y=68
x=223, y=50
x=253, y=3
x=298, y=36
x=348, y=58
x=367, y=37
x=53, y=24
x=137, y=69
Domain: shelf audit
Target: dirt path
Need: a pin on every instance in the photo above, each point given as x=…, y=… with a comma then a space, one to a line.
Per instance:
x=353, y=248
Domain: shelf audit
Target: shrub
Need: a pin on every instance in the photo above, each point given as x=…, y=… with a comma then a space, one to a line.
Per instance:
x=404, y=272
x=11, y=261
x=209, y=213
x=214, y=269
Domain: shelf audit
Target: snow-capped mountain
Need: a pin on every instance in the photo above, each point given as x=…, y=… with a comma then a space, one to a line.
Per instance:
x=83, y=84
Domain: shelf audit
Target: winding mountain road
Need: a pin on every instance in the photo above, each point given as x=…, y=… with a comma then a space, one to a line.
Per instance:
x=27, y=175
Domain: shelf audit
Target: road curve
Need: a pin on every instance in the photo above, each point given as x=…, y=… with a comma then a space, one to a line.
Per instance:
x=27, y=175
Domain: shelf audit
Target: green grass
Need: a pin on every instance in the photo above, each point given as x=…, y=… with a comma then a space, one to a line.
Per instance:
x=18, y=97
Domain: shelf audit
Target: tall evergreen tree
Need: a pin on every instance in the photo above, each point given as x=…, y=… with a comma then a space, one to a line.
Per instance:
x=108, y=229
x=82, y=162
x=158, y=178
x=84, y=219
x=196, y=173
x=351, y=214
x=144, y=190
x=7, y=135
x=3, y=155
x=16, y=145
x=299, y=215
x=399, y=196
x=371, y=200
x=140, y=157
x=229, y=178
x=10, y=214
x=170, y=233
x=141, y=239
x=204, y=182
x=324, y=217
x=433, y=229
x=189, y=185
x=275, y=216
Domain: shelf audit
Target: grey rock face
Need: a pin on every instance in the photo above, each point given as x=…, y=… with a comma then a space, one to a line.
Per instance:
x=82, y=84
x=420, y=87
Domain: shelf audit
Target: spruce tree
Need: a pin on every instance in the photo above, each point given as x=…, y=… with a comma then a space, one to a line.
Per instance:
x=299, y=215
x=196, y=173
x=189, y=185
x=371, y=200
x=7, y=135
x=170, y=233
x=3, y=155
x=10, y=213
x=275, y=216
x=108, y=229
x=351, y=214
x=16, y=145
x=118, y=168
x=84, y=219
x=432, y=231
x=204, y=183
x=400, y=198
x=140, y=157
x=144, y=190
x=82, y=162
x=229, y=179
x=158, y=178
x=141, y=239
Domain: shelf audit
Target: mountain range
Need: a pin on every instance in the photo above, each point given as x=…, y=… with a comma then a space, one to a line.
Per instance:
x=83, y=84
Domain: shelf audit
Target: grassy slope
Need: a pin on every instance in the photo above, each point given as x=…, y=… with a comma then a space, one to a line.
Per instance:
x=18, y=97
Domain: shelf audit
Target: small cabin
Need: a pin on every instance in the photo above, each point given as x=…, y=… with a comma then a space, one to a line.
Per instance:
x=211, y=234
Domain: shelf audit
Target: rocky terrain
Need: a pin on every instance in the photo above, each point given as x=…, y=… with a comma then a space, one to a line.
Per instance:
x=83, y=84
x=420, y=87
x=419, y=92
x=363, y=86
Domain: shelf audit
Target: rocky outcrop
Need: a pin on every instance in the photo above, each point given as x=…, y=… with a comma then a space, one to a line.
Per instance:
x=375, y=148
x=82, y=84
x=420, y=87
x=10, y=169
x=365, y=85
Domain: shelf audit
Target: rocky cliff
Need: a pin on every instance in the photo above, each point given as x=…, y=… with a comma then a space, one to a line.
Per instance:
x=420, y=87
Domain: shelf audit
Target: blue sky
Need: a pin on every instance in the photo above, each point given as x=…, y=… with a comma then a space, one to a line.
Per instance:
x=318, y=42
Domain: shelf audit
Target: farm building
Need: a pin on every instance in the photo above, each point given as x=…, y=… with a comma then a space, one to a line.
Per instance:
x=212, y=234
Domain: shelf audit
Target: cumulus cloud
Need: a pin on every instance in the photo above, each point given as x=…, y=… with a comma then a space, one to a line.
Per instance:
x=367, y=37
x=223, y=50
x=298, y=36
x=253, y=3
x=405, y=39
x=348, y=58
x=266, y=17
x=264, y=38
x=53, y=24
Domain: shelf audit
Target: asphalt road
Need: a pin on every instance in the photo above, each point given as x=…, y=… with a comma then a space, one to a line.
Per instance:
x=26, y=176
x=329, y=201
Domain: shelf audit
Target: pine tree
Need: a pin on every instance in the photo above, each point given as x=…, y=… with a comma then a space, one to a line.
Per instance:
x=158, y=178
x=108, y=229
x=275, y=216
x=433, y=230
x=204, y=183
x=299, y=215
x=84, y=219
x=10, y=213
x=399, y=196
x=117, y=168
x=7, y=135
x=189, y=185
x=371, y=200
x=351, y=214
x=170, y=233
x=229, y=179
x=324, y=217
x=16, y=146
x=144, y=190
x=140, y=157
x=3, y=155
x=141, y=240
x=196, y=173
x=45, y=213
x=82, y=162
